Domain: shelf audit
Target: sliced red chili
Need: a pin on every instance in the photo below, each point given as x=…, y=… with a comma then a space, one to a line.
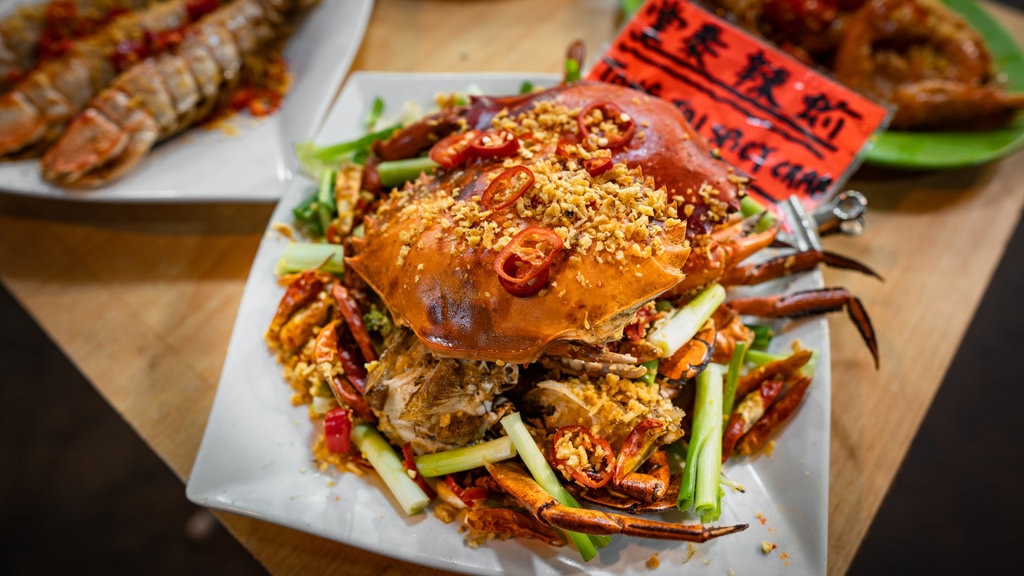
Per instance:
x=498, y=144
x=598, y=165
x=524, y=264
x=453, y=150
x=470, y=496
x=338, y=430
x=507, y=187
x=597, y=470
x=409, y=462
x=598, y=118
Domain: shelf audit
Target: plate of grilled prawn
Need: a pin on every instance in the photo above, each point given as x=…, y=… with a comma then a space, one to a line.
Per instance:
x=523, y=291
x=170, y=100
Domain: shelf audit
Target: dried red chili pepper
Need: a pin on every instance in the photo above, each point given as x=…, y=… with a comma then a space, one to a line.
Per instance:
x=593, y=445
x=598, y=165
x=470, y=496
x=453, y=150
x=495, y=144
x=409, y=462
x=507, y=187
x=610, y=112
x=338, y=430
x=524, y=264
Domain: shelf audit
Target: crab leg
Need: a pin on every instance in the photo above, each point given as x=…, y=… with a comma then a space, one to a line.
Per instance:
x=517, y=482
x=809, y=302
x=774, y=417
x=789, y=264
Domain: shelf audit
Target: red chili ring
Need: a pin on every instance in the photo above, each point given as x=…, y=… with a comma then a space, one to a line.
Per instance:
x=495, y=144
x=597, y=165
x=610, y=112
x=454, y=149
x=523, y=269
x=507, y=186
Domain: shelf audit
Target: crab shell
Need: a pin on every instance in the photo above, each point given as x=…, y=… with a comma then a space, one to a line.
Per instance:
x=429, y=250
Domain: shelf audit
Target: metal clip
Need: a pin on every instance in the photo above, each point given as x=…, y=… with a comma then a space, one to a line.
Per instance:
x=803, y=235
x=841, y=212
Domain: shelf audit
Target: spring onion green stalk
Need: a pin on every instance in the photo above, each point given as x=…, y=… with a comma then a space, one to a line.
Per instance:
x=388, y=464
x=526, y=87
x=652, y=371
x=679, y=327
x=326, y=207
x=750, y=207
x=373, y=116
x=762, y=336
x=397, y=172
x=465, y=458
x=699, y=488
x=299, y=256
x=732, y=376
x=572, y=70
x=314, y=159
x=545, y=476
x=630, y=7
x=760, y=358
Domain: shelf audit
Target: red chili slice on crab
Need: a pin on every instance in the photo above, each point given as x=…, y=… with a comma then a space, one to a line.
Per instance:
x=524, y=265
x=454, y=149
x=507, y=187
x=338, y=430
x=594, y=446
x=599, y=125
x=498, y=144
x=597, y=165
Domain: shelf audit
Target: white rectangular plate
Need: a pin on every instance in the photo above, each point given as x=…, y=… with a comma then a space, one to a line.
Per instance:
x=255, y=454
x=246, y=159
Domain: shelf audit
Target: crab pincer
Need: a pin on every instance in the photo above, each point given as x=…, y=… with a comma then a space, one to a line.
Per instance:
x=515, y=481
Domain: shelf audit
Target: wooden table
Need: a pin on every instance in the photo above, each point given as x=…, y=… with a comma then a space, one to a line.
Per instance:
x=142, y=297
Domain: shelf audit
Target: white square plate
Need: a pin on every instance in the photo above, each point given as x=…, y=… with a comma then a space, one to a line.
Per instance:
x=255, y=454
x=249, y=159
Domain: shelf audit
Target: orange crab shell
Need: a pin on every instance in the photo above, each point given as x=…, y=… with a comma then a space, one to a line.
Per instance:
x=445, y=288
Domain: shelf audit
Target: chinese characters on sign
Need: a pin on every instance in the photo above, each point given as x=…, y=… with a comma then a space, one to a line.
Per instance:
x=792, y=129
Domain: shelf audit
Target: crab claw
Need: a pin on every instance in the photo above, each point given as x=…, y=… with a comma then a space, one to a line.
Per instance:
x=514, y=480
x=789, y=264
x=809, y=302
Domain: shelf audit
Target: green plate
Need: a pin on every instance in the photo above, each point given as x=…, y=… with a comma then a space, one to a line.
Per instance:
x=958, y=149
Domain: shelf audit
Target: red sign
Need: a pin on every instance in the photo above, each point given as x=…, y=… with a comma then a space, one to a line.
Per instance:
x=792, y=129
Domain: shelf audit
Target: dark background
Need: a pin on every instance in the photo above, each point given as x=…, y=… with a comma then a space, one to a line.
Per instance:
x=107, y=504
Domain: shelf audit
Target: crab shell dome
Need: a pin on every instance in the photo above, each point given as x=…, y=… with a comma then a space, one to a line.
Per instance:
x=429, y=251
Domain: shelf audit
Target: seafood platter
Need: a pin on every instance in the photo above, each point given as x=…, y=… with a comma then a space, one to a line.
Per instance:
x=433, y=388
x=107, y=100
x=536, y=324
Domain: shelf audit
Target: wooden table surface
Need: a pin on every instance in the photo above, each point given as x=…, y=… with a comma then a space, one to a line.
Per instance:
x=142, y=297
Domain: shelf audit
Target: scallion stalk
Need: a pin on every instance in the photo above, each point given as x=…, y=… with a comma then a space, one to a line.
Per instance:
x=300, y=256
x=699, y=488
x=760, y=358
x=545, y=476
x=388, y=465
x=751, y=207
x=732, y=376
x=465, y=458
x=315, y=159
x=326, y=207
x=680, y=326
x=396, y=172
